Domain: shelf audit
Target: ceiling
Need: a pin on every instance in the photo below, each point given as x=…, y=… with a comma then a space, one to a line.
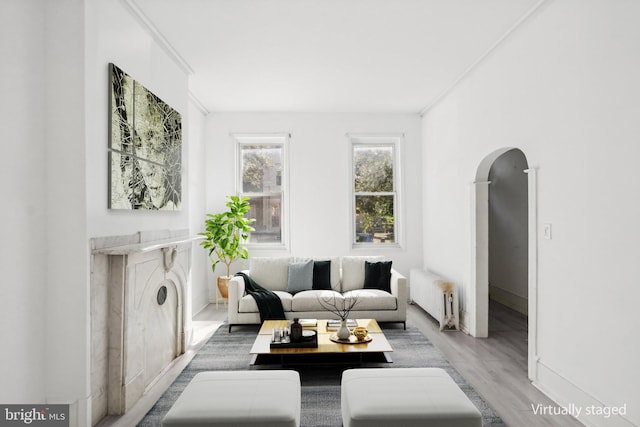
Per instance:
x=328, y=55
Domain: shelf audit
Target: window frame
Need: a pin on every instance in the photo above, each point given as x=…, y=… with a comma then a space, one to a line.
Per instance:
x=372, y=140
x=267, y=139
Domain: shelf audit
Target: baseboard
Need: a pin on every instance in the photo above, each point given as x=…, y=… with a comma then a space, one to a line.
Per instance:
x=509, y=299
x=575, y=401
x=80, y=413
x=464, y=322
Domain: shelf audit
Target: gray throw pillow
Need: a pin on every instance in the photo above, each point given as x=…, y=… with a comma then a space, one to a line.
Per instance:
x=300, y=277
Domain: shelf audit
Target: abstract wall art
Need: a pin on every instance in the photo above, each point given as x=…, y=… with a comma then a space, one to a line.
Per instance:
x=145, y=147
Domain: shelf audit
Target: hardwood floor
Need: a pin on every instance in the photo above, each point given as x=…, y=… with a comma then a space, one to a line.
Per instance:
x=496, y=366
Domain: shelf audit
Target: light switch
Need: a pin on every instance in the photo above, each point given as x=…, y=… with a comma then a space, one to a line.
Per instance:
x=547, y=231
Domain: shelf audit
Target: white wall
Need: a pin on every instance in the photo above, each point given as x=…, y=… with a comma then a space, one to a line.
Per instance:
x=320, y=205
x=563, y=89
x=197, y=206
x=67, y=268
x=54, y=83
x=23, y=224
x=44, y=245
x=114, y=35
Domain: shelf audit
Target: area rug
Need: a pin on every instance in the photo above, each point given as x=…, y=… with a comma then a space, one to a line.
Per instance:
x=320, y=384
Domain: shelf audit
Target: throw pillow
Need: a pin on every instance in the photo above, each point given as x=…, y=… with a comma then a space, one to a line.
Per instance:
x=321, y=275
x=377, y=275
x=300, y=277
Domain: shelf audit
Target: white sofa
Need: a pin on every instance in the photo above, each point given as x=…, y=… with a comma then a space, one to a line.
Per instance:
x=347, y=280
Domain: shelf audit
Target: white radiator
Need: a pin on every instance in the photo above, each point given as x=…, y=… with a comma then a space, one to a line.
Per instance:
x=436, y=296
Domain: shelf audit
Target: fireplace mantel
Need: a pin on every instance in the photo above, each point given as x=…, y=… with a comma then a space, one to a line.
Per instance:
x=146, y=246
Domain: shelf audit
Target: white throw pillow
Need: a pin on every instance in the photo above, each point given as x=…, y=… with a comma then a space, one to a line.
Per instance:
x=353, y=271
x=270, y=272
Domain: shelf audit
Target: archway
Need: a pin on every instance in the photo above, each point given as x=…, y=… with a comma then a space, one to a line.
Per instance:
x=478, y=304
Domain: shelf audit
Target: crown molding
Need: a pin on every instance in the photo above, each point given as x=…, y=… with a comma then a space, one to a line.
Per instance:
x=199, y=105
x=484, y=56
x=153, y=31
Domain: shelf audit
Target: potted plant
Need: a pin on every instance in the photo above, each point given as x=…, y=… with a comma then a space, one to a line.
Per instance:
x=225, y=235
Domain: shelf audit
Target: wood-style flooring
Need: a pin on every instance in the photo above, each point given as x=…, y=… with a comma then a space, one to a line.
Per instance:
x=496, y=366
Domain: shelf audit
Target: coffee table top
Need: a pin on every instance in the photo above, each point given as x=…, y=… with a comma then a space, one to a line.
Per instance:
x=378, y=343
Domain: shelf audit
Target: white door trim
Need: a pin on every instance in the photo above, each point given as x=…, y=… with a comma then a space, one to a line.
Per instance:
x=532, y=176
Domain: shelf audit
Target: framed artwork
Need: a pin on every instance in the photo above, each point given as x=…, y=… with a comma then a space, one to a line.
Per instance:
x=145, y=147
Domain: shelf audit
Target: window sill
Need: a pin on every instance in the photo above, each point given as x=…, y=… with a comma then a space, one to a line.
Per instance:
x=375, y=246
x=266, y=247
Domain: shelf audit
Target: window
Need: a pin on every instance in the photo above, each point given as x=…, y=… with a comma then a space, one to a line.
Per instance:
x=375, y=198
x=262, y=178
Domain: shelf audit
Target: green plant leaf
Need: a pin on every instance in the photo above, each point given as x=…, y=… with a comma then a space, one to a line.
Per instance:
x=227, y=231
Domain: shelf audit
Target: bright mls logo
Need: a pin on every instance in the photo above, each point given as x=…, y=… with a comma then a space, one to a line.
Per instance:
x=34, y=415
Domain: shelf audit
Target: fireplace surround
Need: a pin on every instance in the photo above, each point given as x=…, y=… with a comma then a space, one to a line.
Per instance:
x=140, y=314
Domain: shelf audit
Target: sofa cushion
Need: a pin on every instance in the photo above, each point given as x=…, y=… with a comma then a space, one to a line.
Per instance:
x=300, y=277
x=321, y=275
x=372, y=299
x=335, y=268
x=310, y=300
x=270, y=272
x=248, y=305
x=353, y=271
x=377, y=275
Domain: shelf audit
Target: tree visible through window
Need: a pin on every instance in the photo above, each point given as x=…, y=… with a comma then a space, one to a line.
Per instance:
x=261, y=168
x=374, y=192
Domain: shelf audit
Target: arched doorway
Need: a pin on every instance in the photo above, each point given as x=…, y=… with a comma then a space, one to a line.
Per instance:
x=508, y=261
x=478, y=304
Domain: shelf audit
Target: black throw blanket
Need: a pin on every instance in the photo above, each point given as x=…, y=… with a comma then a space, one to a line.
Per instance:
x=269, y=303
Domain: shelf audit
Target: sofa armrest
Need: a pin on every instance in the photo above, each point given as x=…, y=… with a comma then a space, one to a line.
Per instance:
x=236, y=292
x=399, y=287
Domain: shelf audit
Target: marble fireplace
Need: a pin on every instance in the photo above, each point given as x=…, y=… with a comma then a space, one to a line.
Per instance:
x=140, y=314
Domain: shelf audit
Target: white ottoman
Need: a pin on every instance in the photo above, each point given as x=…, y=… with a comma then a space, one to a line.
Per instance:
x=238, y=398
x=405, y=397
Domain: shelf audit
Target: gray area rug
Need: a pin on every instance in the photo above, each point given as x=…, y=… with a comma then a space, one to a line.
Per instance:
x=320, y=383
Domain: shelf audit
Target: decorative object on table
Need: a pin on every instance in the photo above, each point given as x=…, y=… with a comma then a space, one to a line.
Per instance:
x=279, y=335
x=145, y=147
x=282, y=339
x=351, y=339
x=360, y=332
x=334, y=324
x=225, y=235
x=308, y=323
x=296, y=331
x=343, y=331
x=341, y=308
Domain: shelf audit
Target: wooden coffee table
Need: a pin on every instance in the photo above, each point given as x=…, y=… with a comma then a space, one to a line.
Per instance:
x=378, y=344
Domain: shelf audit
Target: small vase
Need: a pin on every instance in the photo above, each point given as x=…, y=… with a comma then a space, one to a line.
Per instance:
x=296, y=331
x=343, y=332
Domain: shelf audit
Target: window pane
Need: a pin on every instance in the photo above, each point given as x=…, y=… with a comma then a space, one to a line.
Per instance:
x=261, y=168
x=374, y=219
x=267, y=212
x=373, y=168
